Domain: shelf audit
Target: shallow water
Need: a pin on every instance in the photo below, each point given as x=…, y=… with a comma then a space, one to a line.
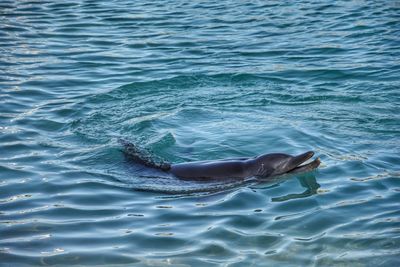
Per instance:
x=195, y=81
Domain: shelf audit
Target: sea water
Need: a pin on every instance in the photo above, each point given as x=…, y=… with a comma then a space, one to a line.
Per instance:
x=198, y=80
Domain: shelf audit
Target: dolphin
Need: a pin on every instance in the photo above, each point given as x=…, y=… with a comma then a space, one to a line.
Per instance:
x=263, y=166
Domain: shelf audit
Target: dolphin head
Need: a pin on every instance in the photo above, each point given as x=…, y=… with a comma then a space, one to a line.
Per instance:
x=278, y=164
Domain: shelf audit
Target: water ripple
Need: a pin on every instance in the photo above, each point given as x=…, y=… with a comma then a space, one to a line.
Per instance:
x=195, y=81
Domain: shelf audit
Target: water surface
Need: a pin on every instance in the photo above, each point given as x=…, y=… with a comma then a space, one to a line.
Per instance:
x=197, y=80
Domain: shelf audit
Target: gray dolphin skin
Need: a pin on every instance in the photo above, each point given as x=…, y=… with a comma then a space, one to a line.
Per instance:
x=267, y=165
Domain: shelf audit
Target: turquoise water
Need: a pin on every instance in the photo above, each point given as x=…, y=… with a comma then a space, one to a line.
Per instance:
x=196, y=80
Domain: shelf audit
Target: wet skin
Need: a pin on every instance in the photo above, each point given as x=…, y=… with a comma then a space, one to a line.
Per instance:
x=266, y=165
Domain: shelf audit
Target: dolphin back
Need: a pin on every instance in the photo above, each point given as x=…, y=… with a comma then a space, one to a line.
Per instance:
x=144, y=157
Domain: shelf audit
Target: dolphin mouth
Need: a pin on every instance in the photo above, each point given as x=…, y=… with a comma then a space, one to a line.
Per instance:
x=306, y=167
x=299, y=165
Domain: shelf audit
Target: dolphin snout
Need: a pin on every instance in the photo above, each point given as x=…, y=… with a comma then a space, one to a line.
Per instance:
x=297, y=160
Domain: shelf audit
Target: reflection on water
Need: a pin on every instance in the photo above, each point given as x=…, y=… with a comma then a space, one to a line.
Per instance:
x=308, y=182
